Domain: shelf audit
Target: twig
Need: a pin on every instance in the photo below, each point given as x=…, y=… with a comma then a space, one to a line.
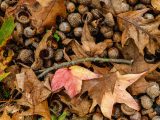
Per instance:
x=66, y=64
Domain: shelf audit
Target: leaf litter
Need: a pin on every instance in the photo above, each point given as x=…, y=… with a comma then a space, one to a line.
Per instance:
x=91, y=84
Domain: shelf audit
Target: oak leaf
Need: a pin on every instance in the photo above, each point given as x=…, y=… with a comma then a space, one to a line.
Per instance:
x=144, y=32
x=43, y=12
x=156, y=4
x=110, y=90
x=71, y=79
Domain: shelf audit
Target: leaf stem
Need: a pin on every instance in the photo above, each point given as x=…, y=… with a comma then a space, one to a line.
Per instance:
x=91, y=59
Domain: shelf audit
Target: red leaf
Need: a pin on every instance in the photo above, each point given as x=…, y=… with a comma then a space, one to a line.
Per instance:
x=71, y=79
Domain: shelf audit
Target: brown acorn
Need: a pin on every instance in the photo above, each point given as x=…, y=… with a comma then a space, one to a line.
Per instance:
x=96, y=13
x=109, y=20
x=87, y=16
x=147, y=111
x=29, y=31
x=107, y=31
x=58, y=54
x=19, y=28
x=113, y=53
x=4, y=6
x=156, y=118
x=139, y=6
x=11, y=2
x=146, y=102
x=84, y=2
x=127, y=110
x=74, y=19
x=70, y=7
x=78, y=31
x=26, y=56
x=135, y=116
x=82, y=9
x=23, y=16
x=65, y=27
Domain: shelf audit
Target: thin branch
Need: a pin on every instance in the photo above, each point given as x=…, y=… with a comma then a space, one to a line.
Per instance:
x=66, y=64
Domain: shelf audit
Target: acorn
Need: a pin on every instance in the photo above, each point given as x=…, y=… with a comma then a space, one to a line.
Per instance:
x=74, y=19
x=132, y=2
x=113, y=53
x=153, y=90
x=145, y=1
x=117, y=37
x=145, y=112
x=4, y=6
x=61, y=35
x=149, y=16
x=30, y=41
x=146, y=102
x=29, y=31
x=97, y=116
x=65, y=27
x=139, y=6
x=109, y=20
x=122, y=118
x=23, y=16
x=87, y=17
x=46, y=53
x=82, y=9
x=78, y=31
x=58, y=54
x=19, y=28
x=156, y=118
x=26, y=56
x=151, y=115
x=70, y=7
x=135, y=116
x=127, y=110
x=96, y=13
x=106, y=31
x=11, y=2
x=84, y=2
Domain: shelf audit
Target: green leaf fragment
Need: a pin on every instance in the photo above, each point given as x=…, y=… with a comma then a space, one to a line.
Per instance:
x=6, y=30
x=3, y=75
x=53, y=117
x=56, y=36
x=63, y=116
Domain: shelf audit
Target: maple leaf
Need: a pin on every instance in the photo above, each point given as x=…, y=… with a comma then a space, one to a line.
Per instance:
x=139, y=65
x=71, y=79
x=89, y=45
x=145, y=33
x=110, y=90
x=43, y=13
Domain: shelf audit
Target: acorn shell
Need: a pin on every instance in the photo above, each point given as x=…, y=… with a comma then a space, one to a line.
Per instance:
x=78, y=31
x=156, y=118
x=4, y=6
x=109, y=20
x=23, y=16
x=136, y=116
x=153, y=91
x=87, y=17
x=65, y=27
x=107, y=31
x=74, y=19
x=96, y=13
x=82, y=9
x=127, y=110
x=146, y=102
x=26, y=56
x=29, y=31
x=58, y=54
x=113, y=53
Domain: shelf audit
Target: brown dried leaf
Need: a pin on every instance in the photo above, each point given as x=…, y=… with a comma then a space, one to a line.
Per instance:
x=78, y=106
x=156, y=4
x=110, y=90
x=130, y=51
x=34, y=91
x=89, y=45
x=43, y=13
x=41, y=109
x=144, y=32
x=5, y=116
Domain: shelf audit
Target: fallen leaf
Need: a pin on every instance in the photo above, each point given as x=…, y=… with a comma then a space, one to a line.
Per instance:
x=71, y=79
x=41, y=109
x=145, y=33
x=110, y=90
x=6, y=31
x=43, y=13
x=139, y=65
x=34, y=92
x=77, y=105
x=89, y=45
x=5, y=116
x=156, y=4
